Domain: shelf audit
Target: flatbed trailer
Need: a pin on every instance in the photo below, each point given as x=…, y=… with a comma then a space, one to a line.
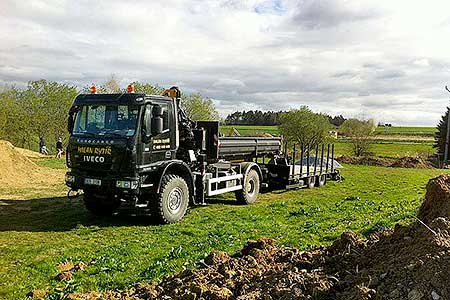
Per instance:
x=142, y=154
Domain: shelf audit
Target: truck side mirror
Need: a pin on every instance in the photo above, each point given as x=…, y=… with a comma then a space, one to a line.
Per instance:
x=70, y=123
x=157, y=120
x=71, y=120
x=146, y=125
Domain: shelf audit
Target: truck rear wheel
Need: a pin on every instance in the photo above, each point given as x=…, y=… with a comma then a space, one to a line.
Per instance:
x=250, y=189
x=172, y=200
x=311, y=182
x=321, y=180
x=100, y=205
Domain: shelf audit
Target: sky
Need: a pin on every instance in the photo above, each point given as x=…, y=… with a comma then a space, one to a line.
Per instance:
x=382, y=59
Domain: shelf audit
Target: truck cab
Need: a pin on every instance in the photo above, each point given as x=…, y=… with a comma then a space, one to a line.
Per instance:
x=115, y=138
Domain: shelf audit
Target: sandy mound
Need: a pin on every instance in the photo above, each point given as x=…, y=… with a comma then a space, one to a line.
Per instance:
x=17, y=170
x=401, y=162
x=409, y=262
x=31, y=154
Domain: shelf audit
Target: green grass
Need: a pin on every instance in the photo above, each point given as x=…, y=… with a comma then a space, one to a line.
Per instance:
x=248, y=130
x=390, y=149
x=36, y=234
x=51, y=162
x=422, y=131
x=404, y=131
x=382, y=148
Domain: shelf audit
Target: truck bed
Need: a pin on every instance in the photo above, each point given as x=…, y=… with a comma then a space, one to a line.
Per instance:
x=244, y=147
x=235, y=148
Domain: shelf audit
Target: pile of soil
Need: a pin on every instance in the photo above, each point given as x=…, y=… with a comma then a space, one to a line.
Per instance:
x=437, y=199
x=18, y=171
x=31, y=154
x=400, y=162
x=409, y=262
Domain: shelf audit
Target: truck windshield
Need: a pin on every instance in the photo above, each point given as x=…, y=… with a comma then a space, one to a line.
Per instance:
x=106, y=120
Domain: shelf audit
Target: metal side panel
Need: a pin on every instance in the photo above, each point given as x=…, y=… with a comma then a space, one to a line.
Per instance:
x=234, y=147
x=225, y=190
x=211, y=192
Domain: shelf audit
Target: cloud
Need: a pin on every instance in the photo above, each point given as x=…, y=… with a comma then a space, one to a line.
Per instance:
x=339, y=57
x=314, y=14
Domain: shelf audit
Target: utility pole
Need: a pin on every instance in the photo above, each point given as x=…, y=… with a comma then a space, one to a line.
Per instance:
x=447, y=136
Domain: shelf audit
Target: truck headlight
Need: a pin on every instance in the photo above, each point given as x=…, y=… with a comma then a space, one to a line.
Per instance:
x=68, y=160
x=126, y=184
x=70, y=178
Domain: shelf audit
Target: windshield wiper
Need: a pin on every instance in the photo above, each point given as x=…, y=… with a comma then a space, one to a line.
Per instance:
x=88, y=133
x=112, y=133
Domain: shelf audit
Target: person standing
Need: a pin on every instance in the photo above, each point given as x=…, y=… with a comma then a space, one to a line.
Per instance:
x=59, y=148
x=42, y=146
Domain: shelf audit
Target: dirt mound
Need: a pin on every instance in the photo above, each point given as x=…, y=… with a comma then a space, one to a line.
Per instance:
x=401, y=162
x=409, y=262
x=437, y=199
x=31, y=154
x=17, y=170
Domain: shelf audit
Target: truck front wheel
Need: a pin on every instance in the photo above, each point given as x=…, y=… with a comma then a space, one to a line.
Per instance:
x=172, y=200
x=100, y=205
x=250, y=189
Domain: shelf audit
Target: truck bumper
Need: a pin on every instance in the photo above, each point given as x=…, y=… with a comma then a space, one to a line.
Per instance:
x=108, y=184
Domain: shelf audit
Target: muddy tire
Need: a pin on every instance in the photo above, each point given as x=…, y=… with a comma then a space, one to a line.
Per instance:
x=321, y=180
x=250, y=190
x=100, y=205
x=172, y=201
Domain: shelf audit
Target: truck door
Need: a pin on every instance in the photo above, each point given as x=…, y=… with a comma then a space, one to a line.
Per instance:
x=162, y=146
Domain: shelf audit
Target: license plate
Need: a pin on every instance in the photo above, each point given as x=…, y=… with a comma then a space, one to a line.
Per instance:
x=92, y=181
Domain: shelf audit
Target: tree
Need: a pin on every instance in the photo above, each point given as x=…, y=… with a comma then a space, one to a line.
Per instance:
x=39, y=110
x=360, y=133
x=111, y=85
x=198, y=108
x=440, y=135
x=146, y=88
x=12, y=116
x=337, y=120
x=305, y=127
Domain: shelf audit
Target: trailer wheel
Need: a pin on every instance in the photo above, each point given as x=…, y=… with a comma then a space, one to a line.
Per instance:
x=172, y=201
x=311, y=182
x=250, y=189
x=321, y=180
x=100, y=205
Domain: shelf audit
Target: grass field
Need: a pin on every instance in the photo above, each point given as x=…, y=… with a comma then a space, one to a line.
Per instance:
x=399, y=141
x=422, y=131
x=404, y=131
x=390, y=149
x=248, y=130
x=39, y=232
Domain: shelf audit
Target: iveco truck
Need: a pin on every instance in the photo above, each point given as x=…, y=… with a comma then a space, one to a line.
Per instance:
x=142, y=154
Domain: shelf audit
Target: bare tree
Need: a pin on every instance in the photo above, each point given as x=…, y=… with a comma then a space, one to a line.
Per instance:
x=111, y=85
x=360, y=133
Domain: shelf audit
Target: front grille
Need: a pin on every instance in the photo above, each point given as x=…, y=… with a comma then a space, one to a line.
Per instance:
x=105, y=167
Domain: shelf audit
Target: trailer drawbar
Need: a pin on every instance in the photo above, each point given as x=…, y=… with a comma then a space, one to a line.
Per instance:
x=141, y=154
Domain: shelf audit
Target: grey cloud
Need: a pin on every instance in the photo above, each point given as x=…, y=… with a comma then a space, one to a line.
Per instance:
x=42, y=51
x=390, y=74
x=345, y=74
x=314, y=14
